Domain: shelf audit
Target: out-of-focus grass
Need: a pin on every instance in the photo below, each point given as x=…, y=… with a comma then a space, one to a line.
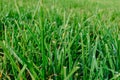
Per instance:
x=59, y=40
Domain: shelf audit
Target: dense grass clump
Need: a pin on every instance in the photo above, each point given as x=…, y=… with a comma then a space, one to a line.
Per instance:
x=59, y=40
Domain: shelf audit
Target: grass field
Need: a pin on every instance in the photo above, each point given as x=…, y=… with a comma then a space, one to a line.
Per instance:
x=59, y=40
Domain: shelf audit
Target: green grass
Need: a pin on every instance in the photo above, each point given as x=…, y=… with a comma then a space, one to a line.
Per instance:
x=59, y=40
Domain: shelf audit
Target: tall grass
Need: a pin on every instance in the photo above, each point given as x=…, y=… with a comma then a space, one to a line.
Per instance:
x=59, y=40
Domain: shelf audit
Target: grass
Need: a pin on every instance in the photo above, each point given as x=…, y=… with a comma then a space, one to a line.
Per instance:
x=59, y=40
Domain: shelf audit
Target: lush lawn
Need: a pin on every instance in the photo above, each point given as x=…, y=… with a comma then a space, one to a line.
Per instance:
x=59, y=40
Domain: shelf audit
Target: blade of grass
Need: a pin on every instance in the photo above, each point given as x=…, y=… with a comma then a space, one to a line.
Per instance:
x=20, y=75
x=44, y=62
x=94, y=61
x=71, y=73
x=17, y=8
